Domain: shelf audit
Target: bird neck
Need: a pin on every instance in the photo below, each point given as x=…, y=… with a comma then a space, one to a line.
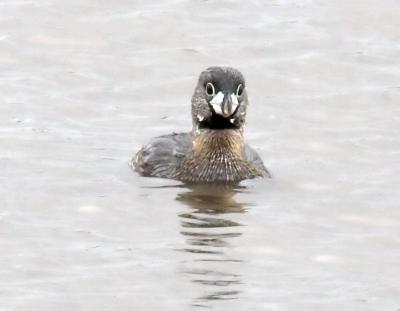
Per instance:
x=218, y=144
x=217, y=156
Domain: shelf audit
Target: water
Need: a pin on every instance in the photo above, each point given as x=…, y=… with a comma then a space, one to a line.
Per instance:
x=85, y=83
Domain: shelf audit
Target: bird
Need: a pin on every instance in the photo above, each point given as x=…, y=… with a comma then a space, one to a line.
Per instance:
x=214, y=151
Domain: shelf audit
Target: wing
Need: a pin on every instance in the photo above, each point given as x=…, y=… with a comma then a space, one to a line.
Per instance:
x=253, y=157
x=162, y=155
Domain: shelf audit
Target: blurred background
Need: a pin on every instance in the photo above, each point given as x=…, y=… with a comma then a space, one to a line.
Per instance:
x=83, y=84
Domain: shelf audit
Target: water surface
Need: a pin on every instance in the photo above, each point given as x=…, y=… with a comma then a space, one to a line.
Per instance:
x=83, y=84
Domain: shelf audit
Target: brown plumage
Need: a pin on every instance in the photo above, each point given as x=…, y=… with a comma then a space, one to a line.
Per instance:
x=217, y=156
x=214, y=152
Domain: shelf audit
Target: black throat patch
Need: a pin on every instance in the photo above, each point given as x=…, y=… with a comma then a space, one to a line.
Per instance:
x=217, y=122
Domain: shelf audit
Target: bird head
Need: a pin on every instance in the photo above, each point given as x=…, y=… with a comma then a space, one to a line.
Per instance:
x=220, y=99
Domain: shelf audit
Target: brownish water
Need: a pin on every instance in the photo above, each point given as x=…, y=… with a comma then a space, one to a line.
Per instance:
x=83, y=84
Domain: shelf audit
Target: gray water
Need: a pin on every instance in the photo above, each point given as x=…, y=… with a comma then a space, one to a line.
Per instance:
x=83, y=84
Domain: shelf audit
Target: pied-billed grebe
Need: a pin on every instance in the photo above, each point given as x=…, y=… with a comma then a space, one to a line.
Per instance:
x=214, y=151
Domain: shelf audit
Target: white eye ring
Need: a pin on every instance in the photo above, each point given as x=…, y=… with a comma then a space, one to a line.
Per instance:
x=239, y=90
x=210, y=89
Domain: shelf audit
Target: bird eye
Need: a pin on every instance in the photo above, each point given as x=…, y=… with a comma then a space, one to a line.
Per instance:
x=210, y=90
x=239, y=90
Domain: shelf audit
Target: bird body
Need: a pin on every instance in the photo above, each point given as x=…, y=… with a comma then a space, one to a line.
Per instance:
x=214, y=151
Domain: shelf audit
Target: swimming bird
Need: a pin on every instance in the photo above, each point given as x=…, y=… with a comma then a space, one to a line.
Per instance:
x=214, y=151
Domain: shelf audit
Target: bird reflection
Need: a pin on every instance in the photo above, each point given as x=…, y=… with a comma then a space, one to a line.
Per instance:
x=209, y=231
